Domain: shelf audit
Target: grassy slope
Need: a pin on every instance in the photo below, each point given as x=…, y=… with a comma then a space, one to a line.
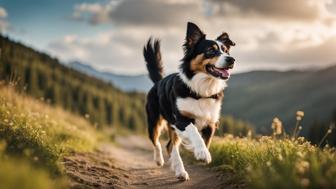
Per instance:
x=36, y=135
x=275, y=163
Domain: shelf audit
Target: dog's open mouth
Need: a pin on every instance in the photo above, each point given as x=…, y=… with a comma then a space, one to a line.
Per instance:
x=222, y=73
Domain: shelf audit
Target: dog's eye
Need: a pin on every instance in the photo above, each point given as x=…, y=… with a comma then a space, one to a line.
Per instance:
x=224, y=49
x=210, y=52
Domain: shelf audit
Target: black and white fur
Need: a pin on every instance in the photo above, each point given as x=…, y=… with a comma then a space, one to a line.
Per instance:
x=189, y=102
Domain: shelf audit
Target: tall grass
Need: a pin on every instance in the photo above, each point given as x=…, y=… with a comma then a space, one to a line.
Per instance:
x=270, y=162
x=35, y=137
x=17, y=173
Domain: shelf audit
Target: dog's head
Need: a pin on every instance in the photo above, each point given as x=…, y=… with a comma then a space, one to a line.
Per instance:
x=208, y=56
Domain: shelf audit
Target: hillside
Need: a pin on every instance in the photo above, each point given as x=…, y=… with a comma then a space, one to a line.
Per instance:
x=34, y=138
x=260, y=95
x=46, y=78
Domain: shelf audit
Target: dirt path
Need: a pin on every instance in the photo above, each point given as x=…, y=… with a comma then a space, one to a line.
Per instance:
x=129, y=164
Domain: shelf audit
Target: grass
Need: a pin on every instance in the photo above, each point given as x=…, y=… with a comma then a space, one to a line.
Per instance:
x=17, y=173
x=270, y=162
x=37, y=136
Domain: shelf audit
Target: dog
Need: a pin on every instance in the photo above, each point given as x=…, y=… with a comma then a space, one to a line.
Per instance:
x=187, y=102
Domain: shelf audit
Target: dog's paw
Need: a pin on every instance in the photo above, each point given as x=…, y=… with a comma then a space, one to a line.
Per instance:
x=202, y=154
x=159, y=162
x=158, y=158
x=182, y=175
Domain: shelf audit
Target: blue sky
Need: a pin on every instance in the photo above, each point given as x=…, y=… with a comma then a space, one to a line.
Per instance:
x=43, y=20
x=109, y=34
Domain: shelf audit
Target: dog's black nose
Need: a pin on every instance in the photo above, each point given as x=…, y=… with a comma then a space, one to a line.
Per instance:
x=230, y=60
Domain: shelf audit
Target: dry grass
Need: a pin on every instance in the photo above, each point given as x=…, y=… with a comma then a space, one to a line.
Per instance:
x=277, y=161
x=36, y=135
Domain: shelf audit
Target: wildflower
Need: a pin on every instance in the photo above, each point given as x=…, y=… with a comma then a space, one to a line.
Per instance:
x=268, y=163
x=299, y=115
x=302, y=166
x=229, y=136
x=277, y=126
x=301, y=139
x=280, y=157
x=249, y=134
x=305, y=182
x=329, y=131
x=305, y=164
x=299, y=154
x=249, y=168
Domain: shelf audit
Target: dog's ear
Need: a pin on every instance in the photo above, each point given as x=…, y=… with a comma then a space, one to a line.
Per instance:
x=194, y=34
x=225, y=39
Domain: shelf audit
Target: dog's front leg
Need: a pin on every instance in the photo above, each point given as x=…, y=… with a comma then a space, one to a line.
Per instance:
x=176, y=162
x=194, y=141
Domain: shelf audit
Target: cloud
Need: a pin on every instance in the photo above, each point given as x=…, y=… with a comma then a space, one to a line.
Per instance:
x=3, y=23
x=288, y=10
x=142, y=13
x=97, y=13
x=3, y=12
x=119, y=51
x=280, y=35
x=154, y=12
x=317, y=55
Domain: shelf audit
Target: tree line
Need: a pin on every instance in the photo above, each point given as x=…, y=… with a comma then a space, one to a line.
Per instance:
x=46, y=78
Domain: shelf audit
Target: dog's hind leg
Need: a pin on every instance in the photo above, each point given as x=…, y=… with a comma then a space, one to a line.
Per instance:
x=207, y=134
x=155, y=124
x=173, y=138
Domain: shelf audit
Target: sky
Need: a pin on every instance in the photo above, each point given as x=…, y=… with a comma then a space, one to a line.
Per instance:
x=109, y=34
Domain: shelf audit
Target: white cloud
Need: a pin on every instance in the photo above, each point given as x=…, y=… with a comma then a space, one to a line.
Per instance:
x=3, y=12
x=266, y=32
x=287, y=10
x=3, y=22
x=118, y=51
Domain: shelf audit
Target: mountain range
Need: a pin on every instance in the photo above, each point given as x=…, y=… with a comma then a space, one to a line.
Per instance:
x=140, y=83
x=259, y=96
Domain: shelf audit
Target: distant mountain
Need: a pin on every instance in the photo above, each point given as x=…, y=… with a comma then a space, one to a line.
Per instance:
x=140, y=83
x=259, y=96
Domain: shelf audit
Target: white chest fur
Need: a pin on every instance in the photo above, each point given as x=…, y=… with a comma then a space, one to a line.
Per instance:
x=204, y=110
x=203, y=84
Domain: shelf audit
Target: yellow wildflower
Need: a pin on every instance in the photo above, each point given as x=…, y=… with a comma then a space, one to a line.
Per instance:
x=299, y=115
x=277, y=126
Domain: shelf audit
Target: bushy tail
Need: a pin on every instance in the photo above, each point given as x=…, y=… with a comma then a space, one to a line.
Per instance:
x=152, y=56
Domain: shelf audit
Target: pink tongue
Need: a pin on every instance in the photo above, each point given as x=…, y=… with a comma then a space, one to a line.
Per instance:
x=225, y=73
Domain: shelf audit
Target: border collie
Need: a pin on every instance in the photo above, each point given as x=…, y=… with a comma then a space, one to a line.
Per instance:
x=188, y=102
